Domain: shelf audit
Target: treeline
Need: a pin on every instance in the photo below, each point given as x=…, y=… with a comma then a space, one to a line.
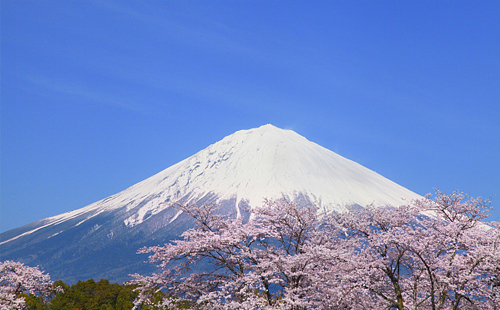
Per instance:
x=28, y=288
x=429, y=254
x=86, y=295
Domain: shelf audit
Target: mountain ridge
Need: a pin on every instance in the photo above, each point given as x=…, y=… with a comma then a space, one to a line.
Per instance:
x=237, y=172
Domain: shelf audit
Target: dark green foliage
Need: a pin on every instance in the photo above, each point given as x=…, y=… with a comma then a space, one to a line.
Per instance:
x=35, y=302
x=87, y=295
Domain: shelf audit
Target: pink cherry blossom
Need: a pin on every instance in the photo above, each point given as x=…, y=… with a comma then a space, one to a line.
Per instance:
x=429, y=254
x=17, y=279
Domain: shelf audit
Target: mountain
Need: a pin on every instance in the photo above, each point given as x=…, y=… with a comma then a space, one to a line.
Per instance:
x=238, y=172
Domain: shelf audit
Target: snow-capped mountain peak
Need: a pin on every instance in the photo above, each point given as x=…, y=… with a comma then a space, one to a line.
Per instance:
x=239, y=171
x=265, y=162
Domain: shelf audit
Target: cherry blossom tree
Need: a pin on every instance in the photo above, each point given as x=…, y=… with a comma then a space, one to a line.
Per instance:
x=252, y=265
x=429, y=254
x=17, y=279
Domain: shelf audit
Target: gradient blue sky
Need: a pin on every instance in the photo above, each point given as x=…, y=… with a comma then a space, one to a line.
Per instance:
x=99, y=95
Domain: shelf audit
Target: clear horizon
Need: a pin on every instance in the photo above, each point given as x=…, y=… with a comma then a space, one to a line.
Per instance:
x=99, y=95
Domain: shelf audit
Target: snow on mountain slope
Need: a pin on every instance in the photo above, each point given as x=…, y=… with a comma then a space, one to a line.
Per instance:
x=250, y=165
x=239, y=171
x=269, y=162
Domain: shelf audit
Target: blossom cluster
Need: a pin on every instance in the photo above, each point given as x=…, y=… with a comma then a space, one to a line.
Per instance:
x=17, y=279
x=429, y=254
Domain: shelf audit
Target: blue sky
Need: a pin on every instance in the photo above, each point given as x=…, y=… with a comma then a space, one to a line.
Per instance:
x=99, y=95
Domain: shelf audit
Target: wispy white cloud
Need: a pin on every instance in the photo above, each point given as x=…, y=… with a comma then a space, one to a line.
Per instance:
x=212, y=35
x=42, y=85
